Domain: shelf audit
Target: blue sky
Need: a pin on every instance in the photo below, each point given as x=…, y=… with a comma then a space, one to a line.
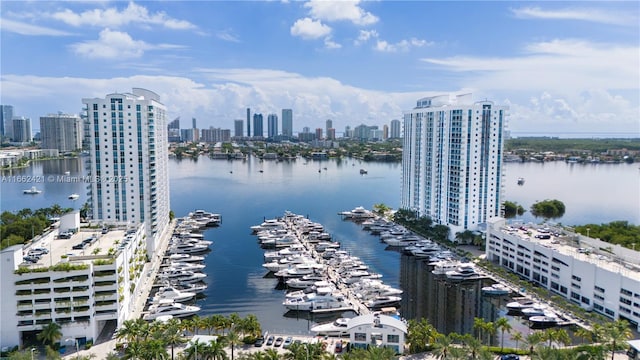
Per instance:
x=564, y=68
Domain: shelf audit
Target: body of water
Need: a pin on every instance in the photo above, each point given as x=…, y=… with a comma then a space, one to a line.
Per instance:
x=247, y=192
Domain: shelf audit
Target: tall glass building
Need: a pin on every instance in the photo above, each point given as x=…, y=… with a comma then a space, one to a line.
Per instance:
x=452, y=161
x=128, y=160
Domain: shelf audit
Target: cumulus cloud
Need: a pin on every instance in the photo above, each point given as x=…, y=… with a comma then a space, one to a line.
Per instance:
x=340, y=11
x=29, y=29
x=598, y=15
x=116, y=45
x=115, y=18
x=308, y=28
x=402, y=45
x=330, y=44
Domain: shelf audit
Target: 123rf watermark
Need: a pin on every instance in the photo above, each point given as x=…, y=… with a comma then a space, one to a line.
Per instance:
x=41, y=179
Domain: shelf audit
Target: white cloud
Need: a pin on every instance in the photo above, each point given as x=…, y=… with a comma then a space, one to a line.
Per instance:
x=29, y=29
x=330, y=44
x=114, y=18
x=365, y=35
x=402, y=45
x=227, y=35
x=116, y=45
x=308, y=28
x=599, y=15
x=570, y=65
x=343, y=10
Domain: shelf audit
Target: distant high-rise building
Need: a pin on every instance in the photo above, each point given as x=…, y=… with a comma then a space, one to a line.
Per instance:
x=193, y=123
x=272, y=126
x=306, y=130
x=129, y=159
x=287, y=122
x=331, y=134
x=61, y=131
x=328, y=125
x=21, y=129
x=258, y=122
x=6, y=121
x=364, y=132
x=452, y=161
x=215, y=135
x=348, y=133
x=189, y=135
x=395, y=129
x=319, y=134
x=248, y=122
x=173, y=130
x=385, y=132
x=238, y=126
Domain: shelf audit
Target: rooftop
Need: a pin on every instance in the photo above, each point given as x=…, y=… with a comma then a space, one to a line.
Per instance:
x=571, y=244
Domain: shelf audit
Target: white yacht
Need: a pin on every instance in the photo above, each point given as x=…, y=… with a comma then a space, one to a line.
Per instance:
x=171, y=293
x=169, y=307
x=496, y=289
x=182, y=276
x=188, y=249
x=74, y=197
x=444, y=266
x=186, y=258
x=315, y=302
x=547, y=319
x=383, y=301
x=193, y=287
x=519, y=305
x=336, y=328
x=33, y=191
x=179, y=265
x=462, y=272
x=536, y=309
x=359, y=213
x=269, y=224
x=304, y=281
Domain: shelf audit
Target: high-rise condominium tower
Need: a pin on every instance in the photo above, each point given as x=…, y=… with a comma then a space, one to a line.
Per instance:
x=238, y=126
x=248, y=122
x=61, y=131
x=287, y=122
x=452, y=161
x=395, y=129
x=257, y=125
x=128, y=160
x=21, y=129
x=272, y=125
x=6, y=121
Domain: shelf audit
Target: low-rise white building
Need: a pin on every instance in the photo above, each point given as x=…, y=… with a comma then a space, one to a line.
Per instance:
x=83, y=284
x=377, y=330
x=591, y=273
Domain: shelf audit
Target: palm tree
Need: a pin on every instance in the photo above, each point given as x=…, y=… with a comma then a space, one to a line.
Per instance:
x=420, y=334
x=135, y=350
x=490, y=330
x=132, y=330
x=533, y=340
x=233, y=339
x=215, y=349
x=381, y=353
x=517, y=337
x=585, y=334
x=503, y=325
x=472, y=344
x=155, y=349
x=271, y=354
x=478, y=325
x=442, y=346
x=172, y=335
x=50, y=334
x=251, y=325
x=195, y=350
x=615, y=334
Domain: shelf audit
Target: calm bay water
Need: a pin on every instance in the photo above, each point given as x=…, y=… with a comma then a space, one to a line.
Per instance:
x=247, y=192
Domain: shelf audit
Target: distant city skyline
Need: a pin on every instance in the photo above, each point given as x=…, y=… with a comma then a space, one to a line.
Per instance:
x=562, y=67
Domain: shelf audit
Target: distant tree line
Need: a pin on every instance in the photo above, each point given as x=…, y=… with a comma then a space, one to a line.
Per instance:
x=16, y=228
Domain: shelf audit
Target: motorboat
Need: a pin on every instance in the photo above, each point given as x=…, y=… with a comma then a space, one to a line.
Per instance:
x=363, y=171
x=197, y=288
x=462, y=272
x=188, y=249
x=32, y=191
x=314, y=302
x=300, y=270
x=269, y=224
x=185, y=258
x=74, y=197
x=519, y=305
x=520, y=181
x=337, y=327
x=444, y=266
x=496, y=289
x=547, y=319
x=304, y=281
x=171, y=293
x=177, y=265
x=169, y=307
x=536, y=309
x=358, y=212
x=383, y=301
x=182, y=276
